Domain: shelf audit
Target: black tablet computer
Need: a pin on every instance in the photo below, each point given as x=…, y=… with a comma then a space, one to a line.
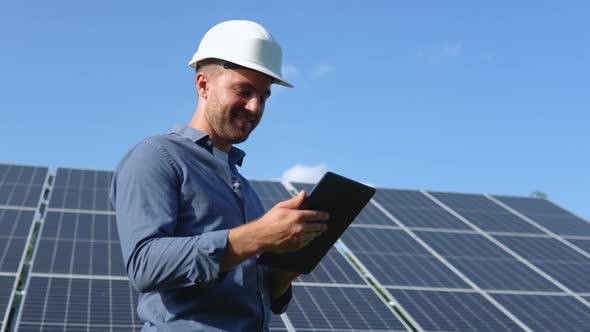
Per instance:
x=343, y=199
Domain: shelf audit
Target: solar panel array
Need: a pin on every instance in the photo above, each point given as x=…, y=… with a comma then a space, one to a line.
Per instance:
x=21, y=188
x=77, y=280
x=445, y=261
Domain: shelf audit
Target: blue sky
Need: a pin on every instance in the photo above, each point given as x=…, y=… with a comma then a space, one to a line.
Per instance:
x=460, y=96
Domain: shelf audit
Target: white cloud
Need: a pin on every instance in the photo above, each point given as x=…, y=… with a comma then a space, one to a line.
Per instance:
x=303, y=173
x=453, y=50
x=322, y=70
x=290, y=71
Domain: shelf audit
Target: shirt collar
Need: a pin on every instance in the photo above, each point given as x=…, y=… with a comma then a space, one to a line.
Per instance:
x=236, y=156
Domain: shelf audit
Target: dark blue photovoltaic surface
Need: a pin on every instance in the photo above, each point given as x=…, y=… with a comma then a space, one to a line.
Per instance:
x=15, y=226
x=453, y=311
x=81, y=190
x=66, y=303
x=553, y=257
x=582, y=244
x=547, y=313
x=414, y=209
x=484, y=213
x=21, y=185
x=548, y=215
x=79, y=243
x=315, y=308
x=486, y=264
x=394, y=258
x=6, y=286
x=334, y=268
x=270, y=192
x=276, y=323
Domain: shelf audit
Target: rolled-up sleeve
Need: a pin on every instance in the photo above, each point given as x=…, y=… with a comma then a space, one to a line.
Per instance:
x=145, y=193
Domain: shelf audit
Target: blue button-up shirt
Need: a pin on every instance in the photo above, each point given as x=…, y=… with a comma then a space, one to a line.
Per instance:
x=174, y=210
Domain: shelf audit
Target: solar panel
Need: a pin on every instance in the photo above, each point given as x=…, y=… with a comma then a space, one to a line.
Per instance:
x=276, y=324
x=270, y=192
x=334, y=268
x=547, y=313
x=582, y=244
x=15, y=226
x=394, y=258
x=453, y=311
x=319, y=308
x=78, y=279
x=21, y=185
x=553, y=257
x=79, y=243
x=79, y=303
x=485, y=214
x=20, y=193
x=76, y=189
x=414, y=209
x=486, y=264
x=548, y=215
x=6, y=293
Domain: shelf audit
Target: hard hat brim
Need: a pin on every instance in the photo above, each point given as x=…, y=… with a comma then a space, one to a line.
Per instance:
x=252, y=66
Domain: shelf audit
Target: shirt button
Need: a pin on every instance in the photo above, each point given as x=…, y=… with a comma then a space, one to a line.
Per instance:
x=209, y=143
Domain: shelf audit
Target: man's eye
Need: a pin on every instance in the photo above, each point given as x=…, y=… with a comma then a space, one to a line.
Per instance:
x=243, y=93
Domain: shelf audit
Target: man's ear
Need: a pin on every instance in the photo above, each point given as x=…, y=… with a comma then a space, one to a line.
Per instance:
x=202, y=83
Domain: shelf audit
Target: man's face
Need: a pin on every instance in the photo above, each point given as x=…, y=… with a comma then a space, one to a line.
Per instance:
x=235, y=104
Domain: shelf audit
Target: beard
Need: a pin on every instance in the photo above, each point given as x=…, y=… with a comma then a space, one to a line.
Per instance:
x=232, y=126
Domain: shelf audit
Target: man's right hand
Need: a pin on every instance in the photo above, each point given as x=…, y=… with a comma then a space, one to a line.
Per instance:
x=283, y=228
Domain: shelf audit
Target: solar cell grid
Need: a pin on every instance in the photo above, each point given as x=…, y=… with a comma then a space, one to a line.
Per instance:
x=548, y=215
x=426, y=218
x=394, y=258
x=504, y=274
x=20, y=174
x=453, y=311
x=556, y=259
x=21, y=185
x=15, y=226
x=459, y=245
x=404, y=198
x=340, y=309
x=582, y=244
x=270, y=193
x=562, y=224
x=334, y=268
x=79, y=243
x=541, y=249
x=276, y=323
x=547, y=313
x=528, y=204
x=499, y=222
x=6, y=287
x=414, y=209
x=65, y=304
x=466, y=202
x=81, y=190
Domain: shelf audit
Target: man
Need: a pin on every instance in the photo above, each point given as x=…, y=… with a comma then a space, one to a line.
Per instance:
x=190, y=225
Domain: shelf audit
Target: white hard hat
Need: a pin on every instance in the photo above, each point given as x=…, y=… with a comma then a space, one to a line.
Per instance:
x=244, y=43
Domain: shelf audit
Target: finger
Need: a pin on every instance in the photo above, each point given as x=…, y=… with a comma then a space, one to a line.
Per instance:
x=294, y=202
x=312, y=215
x=317, y=227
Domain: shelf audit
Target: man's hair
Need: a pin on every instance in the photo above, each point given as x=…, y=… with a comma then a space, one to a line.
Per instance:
x=211, y=67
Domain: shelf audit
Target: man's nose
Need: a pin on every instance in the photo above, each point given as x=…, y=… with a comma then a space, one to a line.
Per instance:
x=253, y=105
